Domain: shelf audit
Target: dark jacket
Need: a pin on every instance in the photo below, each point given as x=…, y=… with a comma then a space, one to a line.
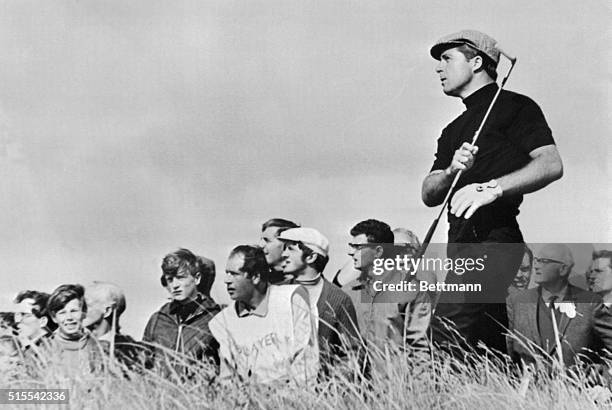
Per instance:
x=183, y=329
x=588, y=331
x=338, y=328
x=127, y=351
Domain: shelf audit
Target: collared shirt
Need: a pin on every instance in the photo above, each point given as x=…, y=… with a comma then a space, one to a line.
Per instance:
x=547, y=295
x=261, y=310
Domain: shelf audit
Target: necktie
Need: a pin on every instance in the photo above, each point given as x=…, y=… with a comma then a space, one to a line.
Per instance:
x=553, y=309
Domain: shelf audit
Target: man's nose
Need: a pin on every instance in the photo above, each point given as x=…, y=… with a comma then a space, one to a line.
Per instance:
x=439, y=67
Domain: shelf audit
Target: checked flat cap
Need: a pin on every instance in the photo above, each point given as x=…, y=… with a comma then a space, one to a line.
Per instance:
x=476, y=39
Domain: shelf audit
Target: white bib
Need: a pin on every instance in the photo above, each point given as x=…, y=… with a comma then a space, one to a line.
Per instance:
x=264, y=347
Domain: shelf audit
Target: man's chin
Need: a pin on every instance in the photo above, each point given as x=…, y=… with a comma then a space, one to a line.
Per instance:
x=288, y=272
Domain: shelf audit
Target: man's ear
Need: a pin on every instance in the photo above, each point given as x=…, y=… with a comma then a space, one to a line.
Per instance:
x=44, y=321
x=379, y=251
x=311, y=258
x=477, y=63
x=198, y=277
x=108, y=311
x=256, y=279
x=566, y=270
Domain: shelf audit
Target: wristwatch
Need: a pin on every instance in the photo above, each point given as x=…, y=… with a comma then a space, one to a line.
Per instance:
x=492, y=185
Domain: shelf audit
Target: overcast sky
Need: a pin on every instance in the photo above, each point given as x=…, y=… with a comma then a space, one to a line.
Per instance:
x=131, y=128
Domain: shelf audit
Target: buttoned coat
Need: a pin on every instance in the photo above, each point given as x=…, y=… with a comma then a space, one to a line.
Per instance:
x=586, y=334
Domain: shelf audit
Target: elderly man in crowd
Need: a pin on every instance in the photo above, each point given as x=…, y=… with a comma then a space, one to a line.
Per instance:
x=556, y=313
x=105, y=305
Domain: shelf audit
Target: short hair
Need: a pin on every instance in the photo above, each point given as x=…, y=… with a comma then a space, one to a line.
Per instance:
x=488, y=65
x=7, y=320
x=39, y=308
x=206, y=267
x=281, y=224
x=254, y=261
x=320, y=262
x=375, y=231
x=529, y=253
x=63, y=295
x=603, y=254
x=111, y=292
x=182, y=260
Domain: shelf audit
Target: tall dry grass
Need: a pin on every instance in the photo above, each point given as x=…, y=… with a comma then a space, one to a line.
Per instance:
x=396, y=381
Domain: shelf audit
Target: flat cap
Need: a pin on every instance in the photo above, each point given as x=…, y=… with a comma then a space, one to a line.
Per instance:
x=476, y=39
x=310, y=237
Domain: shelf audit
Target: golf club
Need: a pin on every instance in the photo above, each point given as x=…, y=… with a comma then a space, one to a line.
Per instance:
x=433, y=226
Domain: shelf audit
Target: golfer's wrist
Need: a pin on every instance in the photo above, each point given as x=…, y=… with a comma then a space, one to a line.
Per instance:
x=492, y=187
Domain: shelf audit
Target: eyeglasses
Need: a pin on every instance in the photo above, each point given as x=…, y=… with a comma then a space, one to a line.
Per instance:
x=359, y=246
x=546, y=261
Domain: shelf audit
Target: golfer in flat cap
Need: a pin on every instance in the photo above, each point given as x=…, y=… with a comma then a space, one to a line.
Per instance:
x=514, y=155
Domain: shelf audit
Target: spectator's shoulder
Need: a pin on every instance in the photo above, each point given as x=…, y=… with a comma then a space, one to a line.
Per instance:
x=522, y=296
x=584, y=296
x=209, y=305
x=337, y=293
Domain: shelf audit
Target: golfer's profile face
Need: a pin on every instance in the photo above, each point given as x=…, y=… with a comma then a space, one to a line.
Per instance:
x=455, y=72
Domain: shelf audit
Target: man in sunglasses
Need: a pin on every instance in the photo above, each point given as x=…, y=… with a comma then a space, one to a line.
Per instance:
x=556, y=314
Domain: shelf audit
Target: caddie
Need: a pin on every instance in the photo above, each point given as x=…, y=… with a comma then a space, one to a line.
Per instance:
x=267, y=334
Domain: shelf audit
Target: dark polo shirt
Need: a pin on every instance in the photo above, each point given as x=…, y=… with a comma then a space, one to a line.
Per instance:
x=515, y=127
